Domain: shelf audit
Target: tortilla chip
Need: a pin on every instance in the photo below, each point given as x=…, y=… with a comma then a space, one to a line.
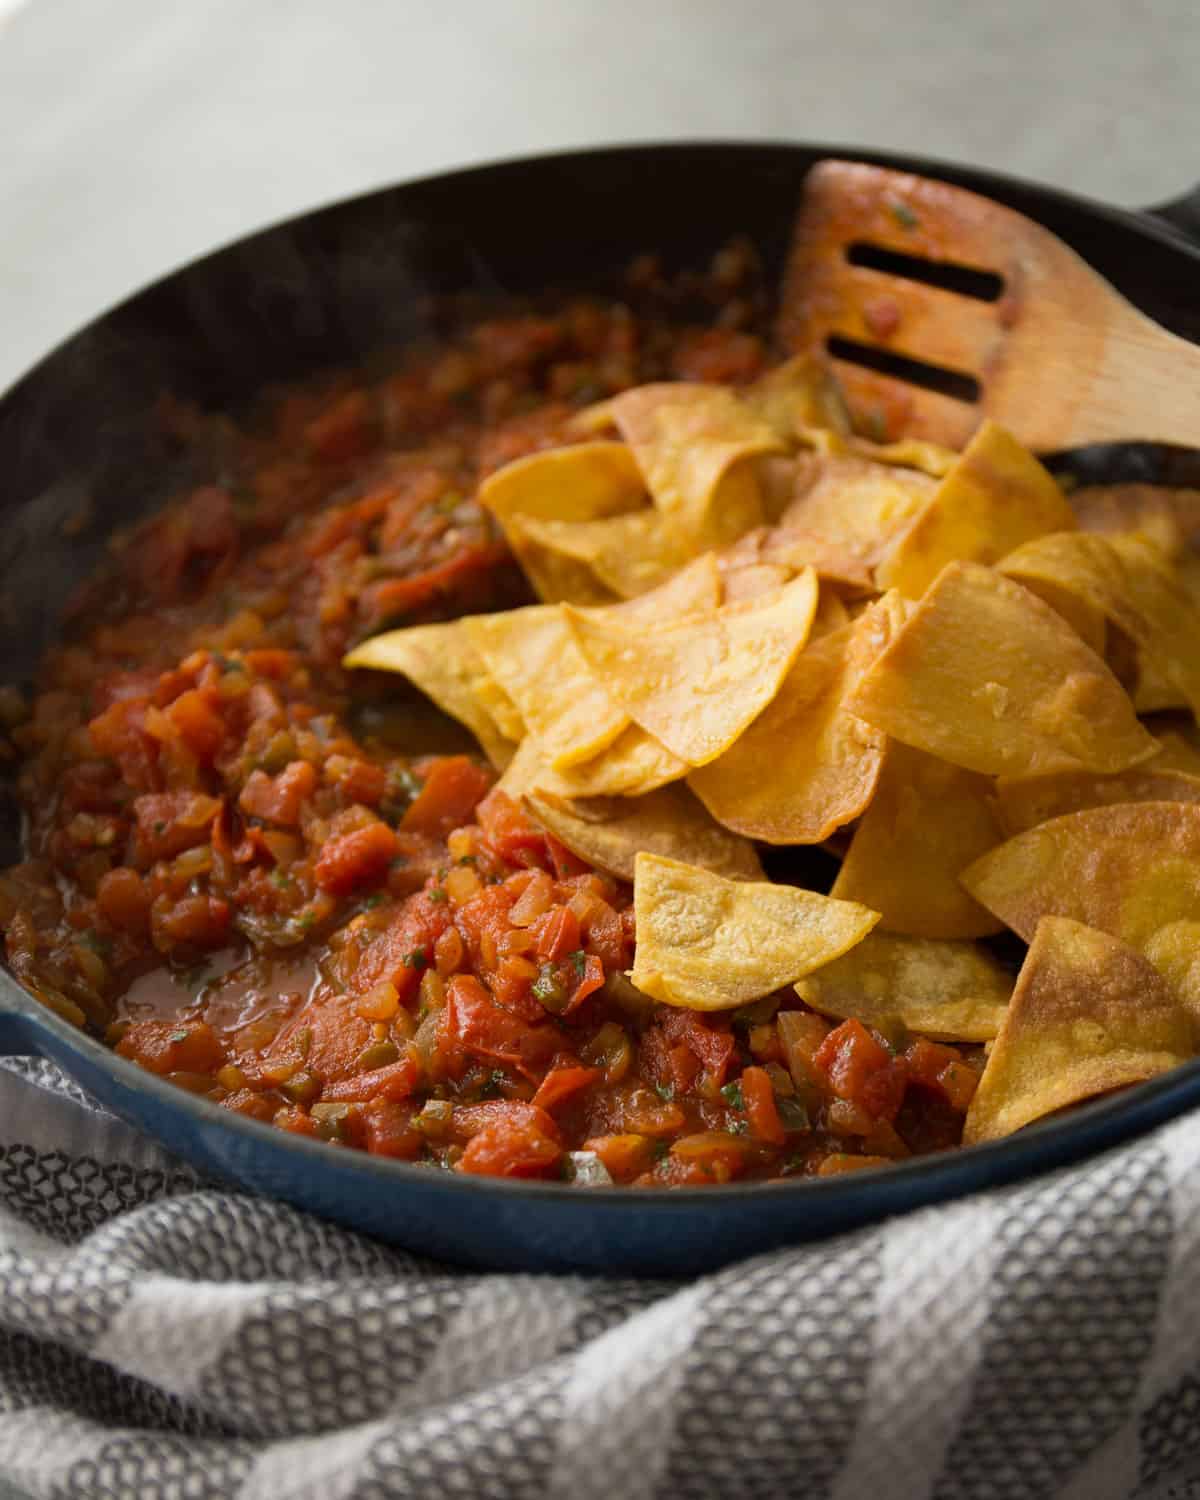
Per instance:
x=1025, y=801
x=805, y=767
x=1130, y=869
x=1176, y=753
x=986, y=676
x=584, y=482
x=927, y=821
x=532, y=654
x=441, y=661
x=623, y=555
x=908, y=453
x=1132, y=582
x=609, y=832
x=635, y=763
x=708, y=943
x=555, y=577
x=859, y=508
x=953, y=992
x=754, y=580
x=791, y=548
x=696, y=684
x=1088, y=622
x=1088, y=1015
x=799, y=394
x=995, y=497
x=691, y=443
x=695, y=589
x=1167, y=517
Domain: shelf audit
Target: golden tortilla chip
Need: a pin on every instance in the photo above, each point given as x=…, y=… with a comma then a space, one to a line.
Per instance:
x=634, y=764
x=927, y=821
x=707, y=943
x=987, y=676
x=859, y=508
x=799, y=394
x=532, y=654
x=907, y=453
x=584, y=482
x=1168, y=517
x=1176, y=753
x=609, y=832
x=691, y=443
x=953, y=992
x=623, y=555
x=1088, y=1015
x=791, y=548
x=556, y=577
x=1133, y=584
x=755, y=579
x=995, y=497
x=696, y=684
x=1025, y=801
x=805, y=767
x=441, y=661
x=1128, y=869
x=696, y=589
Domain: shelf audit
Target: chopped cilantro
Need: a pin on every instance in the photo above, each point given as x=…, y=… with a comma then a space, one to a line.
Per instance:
x=495, y=1080
x=468, y=859
x=281, y=878
x=306, y=920
x=738, y=1127
x=549, y=989
x=417, y=959
x=375, y=899
x=732, y=1095
x=665, y=1091
x=178, y=1036
x=904, y=216
x=579, y=961
x=661, y=1150
x=436, y=893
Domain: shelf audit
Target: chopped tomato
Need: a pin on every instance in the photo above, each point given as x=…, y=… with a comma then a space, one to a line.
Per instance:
x=452, y=787
x=278, y=799
x=511, y=1151
x=862, y=1070
x=173, y=1046
x=761, y=1109
x=356, y=859
x=563, y=1083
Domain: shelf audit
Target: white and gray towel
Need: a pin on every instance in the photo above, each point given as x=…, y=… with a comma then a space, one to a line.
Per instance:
x=162, y=1339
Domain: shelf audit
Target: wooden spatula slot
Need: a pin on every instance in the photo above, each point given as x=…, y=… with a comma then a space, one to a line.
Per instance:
x=952, y=383
x=966, y=281
x=938, y=307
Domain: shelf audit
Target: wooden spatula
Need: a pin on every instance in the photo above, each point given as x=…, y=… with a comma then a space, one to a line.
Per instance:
x=1015, y=325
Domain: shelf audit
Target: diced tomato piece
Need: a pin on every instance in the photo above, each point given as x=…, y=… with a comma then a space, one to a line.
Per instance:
x=356, y=859
x=555, y=934
x=124, y=900
x=452, y=788
x=712, y=1045
x=587, y=983
x=197, y=723
x=297, y=1120
x=509, y=831
x=173, y=1046
x=279, y=799
x=193, y=922
x=605, y=935
x=563, y=1083
x=247, y=1102
x=942, y=1068
x=483, y=1029
x=565, y=863
x=119, y=734
x=386, y=600
x=625, y=1155
x=404, y=949
x=511, y=1151
x=717, y=1155
x=761, y=1109
x=270, y=661
x=167, y=823
x=469, y=1119
x=388, y=1130
x=364, y=782
x=862, y=1070
x=393, y=1081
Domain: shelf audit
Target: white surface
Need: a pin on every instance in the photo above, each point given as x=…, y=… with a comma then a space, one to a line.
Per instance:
x=135, y=134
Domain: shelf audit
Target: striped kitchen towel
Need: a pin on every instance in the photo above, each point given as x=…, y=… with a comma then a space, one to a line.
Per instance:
x=160, y=1337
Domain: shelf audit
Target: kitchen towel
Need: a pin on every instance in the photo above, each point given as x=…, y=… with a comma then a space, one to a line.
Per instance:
x=163, y=1338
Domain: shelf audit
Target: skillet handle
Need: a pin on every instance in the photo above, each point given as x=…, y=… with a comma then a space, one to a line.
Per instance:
x=1182, y=213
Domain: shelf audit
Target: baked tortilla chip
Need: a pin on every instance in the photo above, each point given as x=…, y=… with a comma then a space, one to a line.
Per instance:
x=708, y=943
x=805, y=767
x=1025, y=801
x=1168, y=517
x=1088, y=1015
x=953, y=992
x=791, y=548
x=556, y=577
x=609, y=832
x=623, y=555
x=797, y=395
x=696, y=684
x=927, y=821
x=859, y=508
x=584, y=482
x=696, y=589
x=988, y=677
x=441, y=661
x=692, y=443
x=1131, y=581
x=995, y=497
x=532, y=654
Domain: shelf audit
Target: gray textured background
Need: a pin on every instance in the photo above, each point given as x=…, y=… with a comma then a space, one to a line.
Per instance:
x=135, y=134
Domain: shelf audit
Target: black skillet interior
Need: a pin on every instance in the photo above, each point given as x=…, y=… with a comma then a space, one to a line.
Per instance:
x=340, y=284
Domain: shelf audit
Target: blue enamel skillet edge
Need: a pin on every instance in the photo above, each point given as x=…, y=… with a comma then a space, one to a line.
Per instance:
x=338, y=286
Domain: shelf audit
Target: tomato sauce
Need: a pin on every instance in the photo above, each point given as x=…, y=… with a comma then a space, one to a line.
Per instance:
x=301, y=897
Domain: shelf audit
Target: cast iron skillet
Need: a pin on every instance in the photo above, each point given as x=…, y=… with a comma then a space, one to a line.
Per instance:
x=328, y=288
